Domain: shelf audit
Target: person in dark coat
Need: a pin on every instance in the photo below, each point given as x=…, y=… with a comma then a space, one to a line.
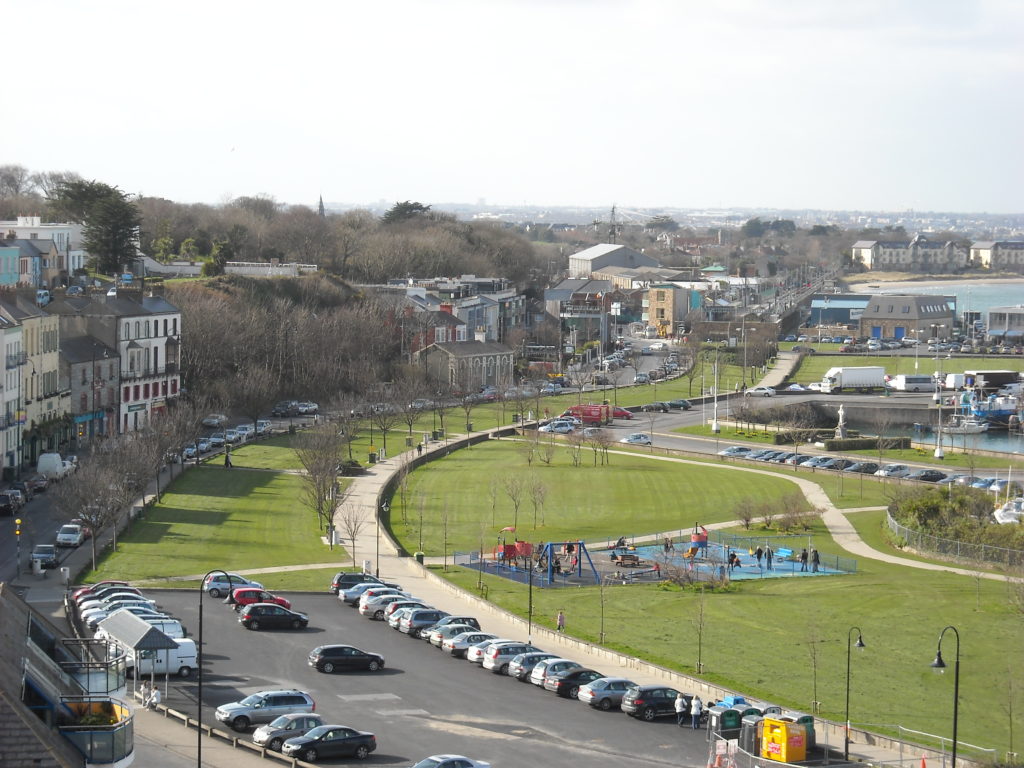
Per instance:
x=815, y=560
x=769, y=554
x=803, y=559
x=227, y=459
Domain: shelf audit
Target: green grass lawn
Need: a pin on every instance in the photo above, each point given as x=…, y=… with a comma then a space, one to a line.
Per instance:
x=813, y=367
x=758, y=638
x=213, y=517
x=633, y=495
x=272, y=453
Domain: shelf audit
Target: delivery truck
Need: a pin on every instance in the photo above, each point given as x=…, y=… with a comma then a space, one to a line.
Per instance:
x=863, y=378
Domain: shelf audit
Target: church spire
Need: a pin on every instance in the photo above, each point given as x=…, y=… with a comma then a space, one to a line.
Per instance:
x=320, y=209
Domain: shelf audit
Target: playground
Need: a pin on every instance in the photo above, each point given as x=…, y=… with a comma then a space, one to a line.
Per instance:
x=703, y=557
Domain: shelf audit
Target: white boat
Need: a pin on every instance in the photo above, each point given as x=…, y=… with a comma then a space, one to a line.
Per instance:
x=965, y=425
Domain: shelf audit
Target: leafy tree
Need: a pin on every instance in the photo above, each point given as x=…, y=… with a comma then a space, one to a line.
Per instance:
x=405, y=211
x=782, y=227
x=753, y=228
x=663, y=222
x=111, y=231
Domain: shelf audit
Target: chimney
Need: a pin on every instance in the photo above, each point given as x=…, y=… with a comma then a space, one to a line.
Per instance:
x=446, y=308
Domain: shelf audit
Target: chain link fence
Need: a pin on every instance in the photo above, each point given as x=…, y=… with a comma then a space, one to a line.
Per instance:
x=960, y=550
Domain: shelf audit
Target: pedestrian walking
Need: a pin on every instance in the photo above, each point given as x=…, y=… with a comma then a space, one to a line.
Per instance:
x=815, y=560
x=560, y=621
x=769, y=553
x=227, y=459
x=680, y=705
x=803, y=559
x=696, y=708
x=758, y=553
x=419, y=449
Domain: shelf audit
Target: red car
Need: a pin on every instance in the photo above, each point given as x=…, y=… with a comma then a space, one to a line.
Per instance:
x=96, y=587
x=621, y=413
x=246, y=595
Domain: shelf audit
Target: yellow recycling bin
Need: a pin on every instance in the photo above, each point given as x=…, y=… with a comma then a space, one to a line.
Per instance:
x=783, y=741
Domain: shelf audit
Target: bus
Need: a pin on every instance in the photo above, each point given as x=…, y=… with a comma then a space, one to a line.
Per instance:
x=914, y=383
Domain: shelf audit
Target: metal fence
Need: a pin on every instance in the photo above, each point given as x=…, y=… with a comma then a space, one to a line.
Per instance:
x=794, y=542
x=961, y=550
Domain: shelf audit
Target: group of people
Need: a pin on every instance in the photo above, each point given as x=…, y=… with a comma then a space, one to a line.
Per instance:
x=767, y=553
x=150, y=695
x=696, y=708
x=815, y=559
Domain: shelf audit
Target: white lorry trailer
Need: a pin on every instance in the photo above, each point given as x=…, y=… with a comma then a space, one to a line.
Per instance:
x=853, y=378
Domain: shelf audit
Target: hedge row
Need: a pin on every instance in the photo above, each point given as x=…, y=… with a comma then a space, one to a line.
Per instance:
x=863, y=443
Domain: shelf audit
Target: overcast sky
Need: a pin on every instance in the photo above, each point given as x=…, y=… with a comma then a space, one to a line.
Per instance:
x=852, y=104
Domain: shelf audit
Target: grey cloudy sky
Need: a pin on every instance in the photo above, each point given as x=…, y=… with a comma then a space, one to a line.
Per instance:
x=860, y=104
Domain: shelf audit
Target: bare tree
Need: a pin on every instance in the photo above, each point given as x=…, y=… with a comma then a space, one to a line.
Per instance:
x=538, y=494
x=252, y=389
x=513, y=486
x=385, y=415
x=321, y=451
x=351, y=521
x=87, y=496
x=575, y=440
x=546, y=450
x=493, y=488
x=700, y=623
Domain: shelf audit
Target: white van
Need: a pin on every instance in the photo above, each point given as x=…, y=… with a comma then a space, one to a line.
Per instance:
x=51, y=465
x=42, y=297
x=180, y=661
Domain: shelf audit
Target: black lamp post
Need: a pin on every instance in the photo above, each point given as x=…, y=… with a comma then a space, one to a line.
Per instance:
x=858, y=644
x=385, y=508
x=940, y=666
x=199, y=665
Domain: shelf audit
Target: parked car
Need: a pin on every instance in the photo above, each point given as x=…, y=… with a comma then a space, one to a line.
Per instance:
x=70, y=536
x=274, y=734
x=862, y=468
x=497, y=656
x=648, y=702
x=475, y=653
x=637, y=438
x=25, y=488
x=551, y=667
x=397, y=615
x=330, y=741
x=684, y=405
x=46, y=554
x=557, y=427
x=97, y=587
x=604, y=693
x=621, y=413
x=345, y=579
x=244, y=596
x=522, y=665
x=836, y=464
x=447, y=621
x=8, y=504
x=215, y=420
x=38, y=483
x=438, y=635
x=308, y=408
x=264, y=707
x=656, y=407
x=356, y=591
x=735, y=451
x=759, y=392
x=376, y=607
x=332, y=658
x=458, y=646
x=286, y=408
x=420, y=619
x=217, y=584
x=217, y=440
x=928, y=476
x=258, y=616
x=567, y=684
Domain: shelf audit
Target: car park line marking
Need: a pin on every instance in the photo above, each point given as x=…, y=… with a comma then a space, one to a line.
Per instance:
x=385, y=712
x=370, y=697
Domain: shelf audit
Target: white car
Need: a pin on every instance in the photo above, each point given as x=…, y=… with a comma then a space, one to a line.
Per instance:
x=450, y=761
x=760, y=392
x=70, y=536
x=558, y=427
x=637, y=438
x=893, y=470
x=215, y=420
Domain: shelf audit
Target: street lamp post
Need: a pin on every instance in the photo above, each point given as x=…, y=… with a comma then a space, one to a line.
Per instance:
x=743, y=340
x=858, y=644
x=939, y=666
x=384, y=508
x=714, y=419
x=199, y=666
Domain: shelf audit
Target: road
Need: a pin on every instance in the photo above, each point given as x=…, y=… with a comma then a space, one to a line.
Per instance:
x=423, y=702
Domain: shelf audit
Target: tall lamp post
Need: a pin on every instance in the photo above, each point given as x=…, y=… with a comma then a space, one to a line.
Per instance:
x=714, y=419
x=199, y=666
x=849, y=645
x=940, y=666
x=743, y=340
x=385, y=508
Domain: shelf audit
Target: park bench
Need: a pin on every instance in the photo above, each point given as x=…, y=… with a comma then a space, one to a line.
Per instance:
x=627, y=560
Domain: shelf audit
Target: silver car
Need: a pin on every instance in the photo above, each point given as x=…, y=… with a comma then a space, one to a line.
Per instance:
x=605, y=693
x=395, y=618
x=475, y=653
x=448, y=631
x=273, y=734
x=376, y=607
x=551, y=667
x=498, y=655
x=459, y=645
x=522, y=665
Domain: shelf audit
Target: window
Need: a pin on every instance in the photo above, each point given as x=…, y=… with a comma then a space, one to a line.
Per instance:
x=84, y=403
x=174, y=386
x=906, y=310
x=165, y=326
x=137, y=391
x=138, y=329
x=83, y=375
x=145, y=391
x=147, y=329
x=174, y=323
x=127, y=394
x=127, y=331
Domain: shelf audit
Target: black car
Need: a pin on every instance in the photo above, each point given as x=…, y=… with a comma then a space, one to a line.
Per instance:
x=330, y=741
x=650, y=701
x=655, y=408
x=838, y=464
x=568, y=684
x=681, y=404
x=343, y=580
x=336, y=658
x=270, y=616
x=927, y=475
x=27, y=490
x=286, y=408
x=862, y=468
x=8, y=506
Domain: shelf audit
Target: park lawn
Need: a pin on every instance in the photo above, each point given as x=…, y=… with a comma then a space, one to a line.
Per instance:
x=273, y=453
x=243, y=519
x=758, y=639
x=813, y=367
x=632, y=495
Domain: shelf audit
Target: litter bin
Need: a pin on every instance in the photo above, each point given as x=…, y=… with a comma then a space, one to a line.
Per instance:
x=291, y=429
x=408, y=442
x=749, y=740
x=515, y=418
x=469, y=426
x=440, y=435
x=65, y=576
x=434, y=435
x=419, y=557
x=37, y=566
x=372, y=458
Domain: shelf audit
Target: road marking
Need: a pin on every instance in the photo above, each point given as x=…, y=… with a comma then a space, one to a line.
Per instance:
x=402, y=712
x=370, y=697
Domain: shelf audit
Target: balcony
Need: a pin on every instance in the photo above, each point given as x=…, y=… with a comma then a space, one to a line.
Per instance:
x=149, y=372
x=102, y=729
x=18, y=358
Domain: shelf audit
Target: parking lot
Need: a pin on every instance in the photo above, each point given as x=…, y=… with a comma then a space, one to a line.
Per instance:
x=423, y=702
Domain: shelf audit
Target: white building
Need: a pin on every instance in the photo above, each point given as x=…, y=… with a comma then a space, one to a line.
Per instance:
x=586, y=262
x=13, y=415
x=67, y=237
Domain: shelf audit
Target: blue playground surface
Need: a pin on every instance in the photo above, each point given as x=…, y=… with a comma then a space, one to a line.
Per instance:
x=710, y=561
